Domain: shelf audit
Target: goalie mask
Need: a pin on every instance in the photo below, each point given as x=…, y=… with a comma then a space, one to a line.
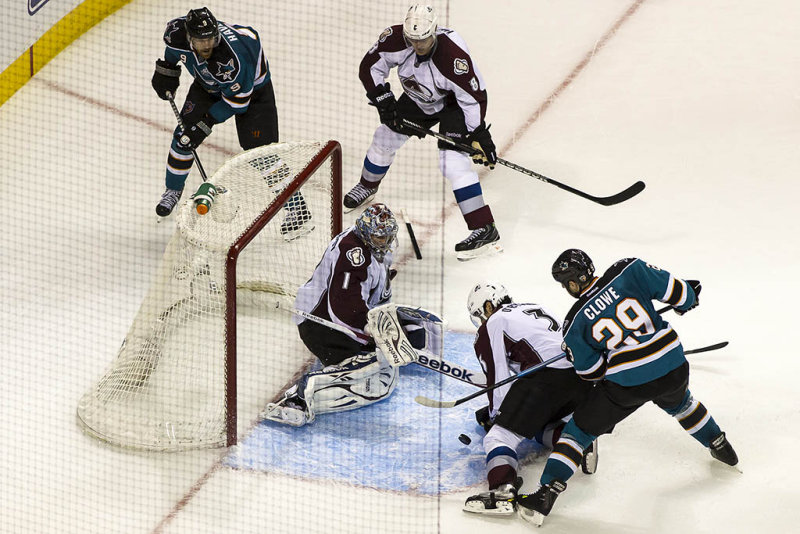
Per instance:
x=492, y=292
x=377, y=228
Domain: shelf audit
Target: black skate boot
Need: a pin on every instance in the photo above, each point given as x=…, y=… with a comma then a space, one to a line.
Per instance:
x=358, y=195
x=298, y=218
x=482, y=241
x=168, y=201
x=534, y=507
x=590, y=458
x=722, y=450
x=496, y=502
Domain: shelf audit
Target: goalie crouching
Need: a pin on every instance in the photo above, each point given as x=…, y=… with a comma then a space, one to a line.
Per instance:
x=351, y=288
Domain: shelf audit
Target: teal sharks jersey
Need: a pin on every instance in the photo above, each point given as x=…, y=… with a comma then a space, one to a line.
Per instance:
x=236, y=68
x=613, y=330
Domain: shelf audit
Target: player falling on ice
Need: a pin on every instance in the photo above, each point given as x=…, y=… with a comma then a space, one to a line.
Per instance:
x=440, y=84
x=511, y=338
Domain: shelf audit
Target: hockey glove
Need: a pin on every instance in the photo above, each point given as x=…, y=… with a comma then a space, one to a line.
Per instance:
x=194, y=134
x=383, y=99
x=697, y=287
x=483, y=418
x=481, y=139
x=166, y=79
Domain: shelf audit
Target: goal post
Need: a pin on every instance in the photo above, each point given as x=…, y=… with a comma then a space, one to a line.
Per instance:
x=176, y=383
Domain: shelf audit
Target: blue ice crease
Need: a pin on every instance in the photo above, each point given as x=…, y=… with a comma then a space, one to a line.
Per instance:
x=395, y=444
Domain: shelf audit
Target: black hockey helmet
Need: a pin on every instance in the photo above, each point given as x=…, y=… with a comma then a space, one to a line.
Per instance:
x=201, y=24
x=573, y=265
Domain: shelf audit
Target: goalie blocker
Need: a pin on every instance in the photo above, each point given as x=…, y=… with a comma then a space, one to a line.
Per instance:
x=402, y=334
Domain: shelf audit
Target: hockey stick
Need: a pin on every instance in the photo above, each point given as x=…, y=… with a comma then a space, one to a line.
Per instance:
x=183, y=127
x=411, y=235
x=430, y=403
x=622, y=196
x=428, y=361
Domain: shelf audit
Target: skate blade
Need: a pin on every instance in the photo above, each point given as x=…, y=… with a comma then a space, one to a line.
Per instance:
x=531, y=516
x=504, y=509
x=485, y=251
x=367, y=200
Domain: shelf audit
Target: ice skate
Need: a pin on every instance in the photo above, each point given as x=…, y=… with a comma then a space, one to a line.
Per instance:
x=590, y=458
x=722, y=450
x=483, y=241
x=168, y=201
x=290, y=410
x=358, y=196
x=298, y=221
x=498, y=502
x=534, y=507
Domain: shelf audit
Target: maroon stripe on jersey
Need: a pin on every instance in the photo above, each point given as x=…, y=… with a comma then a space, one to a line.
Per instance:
x=521, y=352
x=390, y=40
x=344, y=289
x=449, y=59
x=483, y=350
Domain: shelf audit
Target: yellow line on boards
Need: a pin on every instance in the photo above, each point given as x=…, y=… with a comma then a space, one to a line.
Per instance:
x=73, y=25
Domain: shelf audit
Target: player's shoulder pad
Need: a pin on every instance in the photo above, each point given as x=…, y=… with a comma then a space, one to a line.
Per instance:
x=354, y=252
x=175, y=34
x=451, y=55
x=390, y=40
x=617, y=267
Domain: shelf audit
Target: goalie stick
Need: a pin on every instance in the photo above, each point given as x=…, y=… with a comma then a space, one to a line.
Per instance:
x=428, y=361
x=431, y=403
x=622, y=196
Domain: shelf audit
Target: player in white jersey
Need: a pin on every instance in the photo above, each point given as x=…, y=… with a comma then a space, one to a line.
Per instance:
x=511, y=338
x=352, y=279
x=441, y=84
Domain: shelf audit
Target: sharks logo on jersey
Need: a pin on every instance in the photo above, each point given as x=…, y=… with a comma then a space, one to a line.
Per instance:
x=172, y=27
x=225, y=71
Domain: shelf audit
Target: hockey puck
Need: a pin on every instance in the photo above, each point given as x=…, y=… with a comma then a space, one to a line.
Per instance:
x=463, y=438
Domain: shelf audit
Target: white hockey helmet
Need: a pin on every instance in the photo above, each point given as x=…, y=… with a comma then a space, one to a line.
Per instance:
x=421, y=22
x=487, y=291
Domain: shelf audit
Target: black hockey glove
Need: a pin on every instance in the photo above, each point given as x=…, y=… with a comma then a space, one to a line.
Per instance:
x=697, y=287
x=194, y=134
x=481, y=139
x=383, y=99
x=166, y=79
x=483, y=419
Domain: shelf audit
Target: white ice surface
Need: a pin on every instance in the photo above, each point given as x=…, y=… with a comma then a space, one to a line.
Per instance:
x=698, y=99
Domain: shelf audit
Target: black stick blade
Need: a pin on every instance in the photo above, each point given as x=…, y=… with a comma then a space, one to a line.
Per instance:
x=622, y=196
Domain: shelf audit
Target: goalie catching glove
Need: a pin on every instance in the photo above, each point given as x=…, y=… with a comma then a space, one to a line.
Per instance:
x=402, y=333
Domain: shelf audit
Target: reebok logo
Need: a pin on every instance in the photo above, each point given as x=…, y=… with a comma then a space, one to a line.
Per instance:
x=445, y=368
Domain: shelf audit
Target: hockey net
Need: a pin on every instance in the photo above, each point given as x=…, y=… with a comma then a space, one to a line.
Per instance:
x=173, y=384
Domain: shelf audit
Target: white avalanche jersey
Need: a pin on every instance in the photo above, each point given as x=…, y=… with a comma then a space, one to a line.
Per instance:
x=346, y=284
x=446, y=76
x=516, y=337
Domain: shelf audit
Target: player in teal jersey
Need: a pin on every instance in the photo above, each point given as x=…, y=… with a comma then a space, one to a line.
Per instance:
x=614, y=336
x=231, y=78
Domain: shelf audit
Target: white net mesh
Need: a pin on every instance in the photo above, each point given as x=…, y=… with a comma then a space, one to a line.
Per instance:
x=167, y=388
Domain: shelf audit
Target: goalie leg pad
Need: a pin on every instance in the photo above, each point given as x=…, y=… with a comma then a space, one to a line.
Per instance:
x=358, y=381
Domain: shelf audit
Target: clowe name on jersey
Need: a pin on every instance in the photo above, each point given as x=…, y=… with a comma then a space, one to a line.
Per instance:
x=601, y=302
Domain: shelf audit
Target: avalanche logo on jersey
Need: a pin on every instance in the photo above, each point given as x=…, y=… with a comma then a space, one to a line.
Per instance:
x=413, y=88
x=385, y=34
x=460, y=66
x=356, y=256
x=226, y=70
